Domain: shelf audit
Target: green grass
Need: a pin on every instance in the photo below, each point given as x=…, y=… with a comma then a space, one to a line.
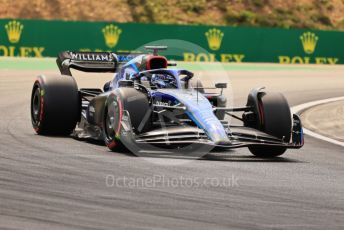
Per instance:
x=28, y=64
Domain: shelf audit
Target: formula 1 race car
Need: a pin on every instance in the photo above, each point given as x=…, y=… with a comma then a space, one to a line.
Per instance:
x=148, y=102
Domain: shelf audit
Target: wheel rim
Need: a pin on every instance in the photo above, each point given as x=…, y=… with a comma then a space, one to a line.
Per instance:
x=109, y=126
x=36, y=105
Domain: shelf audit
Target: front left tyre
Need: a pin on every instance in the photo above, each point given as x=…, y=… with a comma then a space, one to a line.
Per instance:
x=274, y=118
x=55, y=105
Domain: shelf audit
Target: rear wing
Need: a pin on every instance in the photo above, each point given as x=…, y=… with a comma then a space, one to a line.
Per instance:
x=100, y=62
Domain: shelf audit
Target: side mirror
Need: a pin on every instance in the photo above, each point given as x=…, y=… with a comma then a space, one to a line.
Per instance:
x=221, y=85
x=172, y=64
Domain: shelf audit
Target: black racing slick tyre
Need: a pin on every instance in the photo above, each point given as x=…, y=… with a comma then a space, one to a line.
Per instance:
x=55, y=105
x=274, y=118
x=132, y=101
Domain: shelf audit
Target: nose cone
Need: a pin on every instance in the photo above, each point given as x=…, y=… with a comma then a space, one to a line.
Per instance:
x=205, y=118
x=215, y=131
x=201, y=112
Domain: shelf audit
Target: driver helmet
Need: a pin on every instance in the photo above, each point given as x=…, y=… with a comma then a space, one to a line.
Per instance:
x=159, y=80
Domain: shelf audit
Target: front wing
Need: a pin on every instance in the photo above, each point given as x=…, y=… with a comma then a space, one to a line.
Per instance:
x=239, y=136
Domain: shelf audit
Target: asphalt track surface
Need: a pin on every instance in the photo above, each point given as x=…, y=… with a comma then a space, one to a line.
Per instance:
x=60, y=182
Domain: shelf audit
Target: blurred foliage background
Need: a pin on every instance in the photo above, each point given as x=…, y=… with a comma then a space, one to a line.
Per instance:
x=320, y=14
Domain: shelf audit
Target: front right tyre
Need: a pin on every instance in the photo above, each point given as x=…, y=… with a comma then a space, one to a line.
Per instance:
x=123, y=100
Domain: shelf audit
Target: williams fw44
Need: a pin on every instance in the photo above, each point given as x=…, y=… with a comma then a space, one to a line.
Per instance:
x=148, y=102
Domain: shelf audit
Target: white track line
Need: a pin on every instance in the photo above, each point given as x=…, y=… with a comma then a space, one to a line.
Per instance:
x=302, y=107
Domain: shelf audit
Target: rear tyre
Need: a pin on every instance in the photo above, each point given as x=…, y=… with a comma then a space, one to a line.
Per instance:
x=274, y=118
x=55, y=105
x=125, y=99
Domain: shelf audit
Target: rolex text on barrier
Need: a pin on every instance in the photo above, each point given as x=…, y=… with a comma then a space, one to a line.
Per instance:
x=38, y=38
